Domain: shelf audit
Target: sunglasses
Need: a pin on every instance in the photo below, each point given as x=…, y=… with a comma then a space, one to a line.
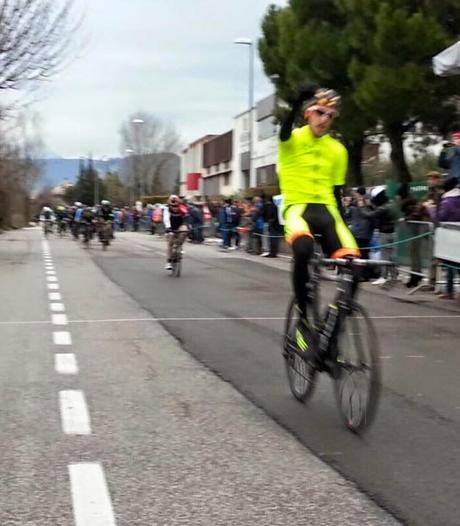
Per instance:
x=328, y=113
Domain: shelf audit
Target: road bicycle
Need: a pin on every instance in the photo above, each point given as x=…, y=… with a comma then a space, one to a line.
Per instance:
x=176, y=254
x=104, y=229
x=341, y=341
x=62, y=227
x=86, y=229
x=47, y=227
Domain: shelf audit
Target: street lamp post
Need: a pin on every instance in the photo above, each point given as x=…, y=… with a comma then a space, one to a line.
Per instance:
x=129, y=151
x=248, y=42
x=96, y=187
x=140, y=184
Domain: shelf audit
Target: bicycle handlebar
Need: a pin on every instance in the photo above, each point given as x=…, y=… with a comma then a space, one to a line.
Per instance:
x=355, y=262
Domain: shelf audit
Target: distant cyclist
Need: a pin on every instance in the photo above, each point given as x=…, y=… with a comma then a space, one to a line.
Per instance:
x=104, y=217
x=175, y=223
x=76, y=218
x=312, y=169
x=61, y=218
x=47, y=219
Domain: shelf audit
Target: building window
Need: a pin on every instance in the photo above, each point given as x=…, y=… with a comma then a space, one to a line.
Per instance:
x=266, y=128
x=226, y=179
x=266, y=175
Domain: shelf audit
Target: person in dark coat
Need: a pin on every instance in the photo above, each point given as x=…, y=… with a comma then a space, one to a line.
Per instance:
x=359, y=221
x=275, y=230
x=383, y=219
x=449, y=159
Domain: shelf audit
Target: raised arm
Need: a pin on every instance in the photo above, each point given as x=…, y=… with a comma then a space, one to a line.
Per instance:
x=305, y=92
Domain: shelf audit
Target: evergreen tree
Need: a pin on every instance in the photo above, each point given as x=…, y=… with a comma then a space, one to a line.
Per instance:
x=307, y=41
x=83, y=190
x=393, y=42
x=376, y=54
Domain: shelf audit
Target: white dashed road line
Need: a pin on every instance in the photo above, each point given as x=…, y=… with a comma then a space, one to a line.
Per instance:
x=59, y=319
x=53, y=286
x=74, y=413
x=57, y=307
x=65, y=363
x=54, y=296
x=51, y=278
x=90, y=495
x=62, y=338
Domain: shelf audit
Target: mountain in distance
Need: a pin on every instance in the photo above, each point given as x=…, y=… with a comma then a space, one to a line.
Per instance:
x=57, y=170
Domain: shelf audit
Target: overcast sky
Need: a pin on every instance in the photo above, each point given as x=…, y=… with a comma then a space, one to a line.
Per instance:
x=174, y=58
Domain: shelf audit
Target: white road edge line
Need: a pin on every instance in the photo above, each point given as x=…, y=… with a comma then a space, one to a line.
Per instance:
x=61, y=317
x=242, y=318
x=74, y=413
x=91, y=501
x=65, y=363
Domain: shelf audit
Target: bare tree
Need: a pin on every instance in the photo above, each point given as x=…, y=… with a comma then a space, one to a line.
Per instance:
x=35, y=38
x=152, y=145
x=19, y=171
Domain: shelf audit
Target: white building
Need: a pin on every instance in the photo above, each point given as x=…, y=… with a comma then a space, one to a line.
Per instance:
x=264, y=147
x=265, y=150
x=218, y=161
x=192, y=169
x=219, y=164
x=241, y=178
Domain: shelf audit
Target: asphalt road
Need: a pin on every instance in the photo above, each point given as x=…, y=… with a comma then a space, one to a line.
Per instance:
x=226, y=310
x=105, y=420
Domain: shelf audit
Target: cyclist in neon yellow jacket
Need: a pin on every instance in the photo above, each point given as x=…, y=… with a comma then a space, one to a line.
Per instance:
x=312, y=168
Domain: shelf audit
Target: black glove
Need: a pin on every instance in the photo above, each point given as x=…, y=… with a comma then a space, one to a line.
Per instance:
x=306, y=91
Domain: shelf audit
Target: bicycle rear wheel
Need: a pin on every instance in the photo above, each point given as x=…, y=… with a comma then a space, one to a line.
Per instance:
x=358, y=385
x=177, y=267
x=301, y=374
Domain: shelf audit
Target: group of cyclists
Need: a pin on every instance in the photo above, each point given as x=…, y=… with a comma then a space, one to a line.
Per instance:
x=88, y=221
x=80, y=220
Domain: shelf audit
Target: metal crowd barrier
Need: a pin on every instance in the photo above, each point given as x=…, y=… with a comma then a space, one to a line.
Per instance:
x=414, y=247
x=447, y=243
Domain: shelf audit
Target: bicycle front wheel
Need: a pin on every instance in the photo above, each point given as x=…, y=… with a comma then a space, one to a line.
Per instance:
x=301, y=374
x=358, y=384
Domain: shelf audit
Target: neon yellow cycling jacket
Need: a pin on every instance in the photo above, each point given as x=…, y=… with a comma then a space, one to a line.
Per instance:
x=309, y=167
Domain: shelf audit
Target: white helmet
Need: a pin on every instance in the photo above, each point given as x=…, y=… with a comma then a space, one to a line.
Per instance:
x=77, y=204
x=105, y=202
x=377, y=190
